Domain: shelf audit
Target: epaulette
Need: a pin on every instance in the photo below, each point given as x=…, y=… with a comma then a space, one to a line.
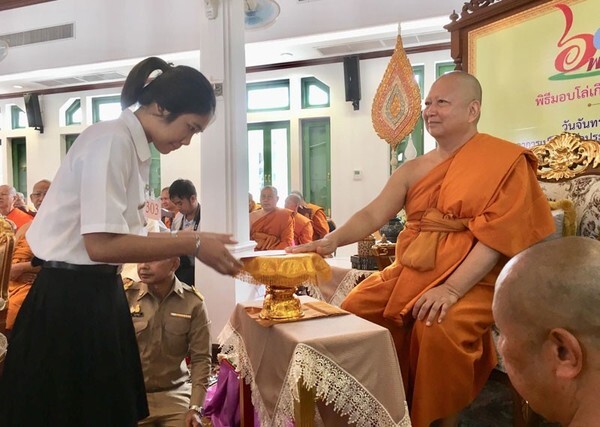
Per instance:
x=127, y=283
x=193, y=290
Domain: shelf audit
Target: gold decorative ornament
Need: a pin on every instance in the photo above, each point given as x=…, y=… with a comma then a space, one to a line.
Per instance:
x=397, y=103
x=566, y=156
x=282, y=275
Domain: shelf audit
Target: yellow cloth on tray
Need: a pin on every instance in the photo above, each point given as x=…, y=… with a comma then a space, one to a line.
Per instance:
x=285, y=271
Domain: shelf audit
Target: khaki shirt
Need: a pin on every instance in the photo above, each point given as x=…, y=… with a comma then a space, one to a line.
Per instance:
x=167, y=331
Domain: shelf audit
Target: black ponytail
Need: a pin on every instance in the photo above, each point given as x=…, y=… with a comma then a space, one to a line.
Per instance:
x=179, y=90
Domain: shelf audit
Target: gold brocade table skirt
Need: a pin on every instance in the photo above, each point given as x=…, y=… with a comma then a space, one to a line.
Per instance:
x=343, y=359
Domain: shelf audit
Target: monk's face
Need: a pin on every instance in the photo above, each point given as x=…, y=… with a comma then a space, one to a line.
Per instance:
x=7, y=199
x=165, y=201
x=448, y=108
x=268, y=199
x=39, y=193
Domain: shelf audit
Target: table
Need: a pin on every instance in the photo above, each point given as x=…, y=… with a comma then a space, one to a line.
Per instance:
x=346, y=362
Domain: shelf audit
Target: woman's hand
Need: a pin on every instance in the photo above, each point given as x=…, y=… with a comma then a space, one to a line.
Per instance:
x=212, y=252
x=325, y=246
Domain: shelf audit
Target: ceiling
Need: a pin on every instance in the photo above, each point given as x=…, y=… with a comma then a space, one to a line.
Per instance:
x=303, y=30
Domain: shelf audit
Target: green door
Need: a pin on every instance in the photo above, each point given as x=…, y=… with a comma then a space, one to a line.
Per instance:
x=316, y=162
x=268, y=157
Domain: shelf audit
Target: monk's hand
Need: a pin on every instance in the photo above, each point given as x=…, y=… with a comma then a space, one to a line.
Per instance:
x=325, y=246
x=212, y=252
x=434, y=301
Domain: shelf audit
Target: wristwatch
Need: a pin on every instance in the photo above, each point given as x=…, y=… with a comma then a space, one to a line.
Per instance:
x=198, y=409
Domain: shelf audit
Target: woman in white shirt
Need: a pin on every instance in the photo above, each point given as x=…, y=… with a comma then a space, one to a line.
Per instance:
x=73, y=358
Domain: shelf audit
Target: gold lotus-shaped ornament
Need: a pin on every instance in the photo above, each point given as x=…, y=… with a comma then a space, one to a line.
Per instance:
x=282, y=275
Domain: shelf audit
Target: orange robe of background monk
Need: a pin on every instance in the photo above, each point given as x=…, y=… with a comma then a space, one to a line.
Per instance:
x=317, y=215
x=303, y=229
x=273, y=230
x=19, y=288
x=445, y=365
x=19, y=217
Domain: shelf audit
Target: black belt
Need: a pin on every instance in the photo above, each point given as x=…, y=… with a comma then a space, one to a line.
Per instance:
x=84, y=268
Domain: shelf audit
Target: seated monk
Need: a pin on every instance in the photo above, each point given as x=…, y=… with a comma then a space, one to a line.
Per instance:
x=316, y=214
x=22, y=273
x=271, y=227
x=471, y=203
x=8, y=196
x=252, y=205
x=303, y=228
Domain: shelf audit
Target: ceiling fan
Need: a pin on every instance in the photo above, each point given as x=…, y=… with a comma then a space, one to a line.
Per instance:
x=260, y=13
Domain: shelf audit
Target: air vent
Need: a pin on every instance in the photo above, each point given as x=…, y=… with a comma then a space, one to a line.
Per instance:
x=40, y=35
x=383, y=43
x=77, y=80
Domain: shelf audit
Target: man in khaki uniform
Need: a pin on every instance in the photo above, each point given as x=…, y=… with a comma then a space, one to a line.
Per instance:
x=170, y=322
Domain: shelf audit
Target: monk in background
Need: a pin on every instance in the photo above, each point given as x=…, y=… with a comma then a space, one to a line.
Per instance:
x=303, y=228
x=546, y=308
x=271, y=227
x=22, y=273
x=471, y=203
x=316, y=214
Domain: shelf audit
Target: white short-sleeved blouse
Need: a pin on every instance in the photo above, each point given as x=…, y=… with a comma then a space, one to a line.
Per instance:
x=100, y=186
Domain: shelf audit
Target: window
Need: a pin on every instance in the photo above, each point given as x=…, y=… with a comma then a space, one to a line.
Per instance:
x=18, y=118
x=412, y=145
x=315, y=93
x=69, y=140
x=268, y=96
x=442, y=68
x=19, y=164
x=106, y=108
x=73, y=114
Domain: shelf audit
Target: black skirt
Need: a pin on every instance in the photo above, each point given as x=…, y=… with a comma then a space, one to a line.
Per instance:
x=73, y=359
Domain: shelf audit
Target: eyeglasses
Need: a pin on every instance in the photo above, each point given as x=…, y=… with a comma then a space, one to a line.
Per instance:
x=38, y=194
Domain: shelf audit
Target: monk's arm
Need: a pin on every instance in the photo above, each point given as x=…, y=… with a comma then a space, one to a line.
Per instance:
x=385, y=206
x=476, y=265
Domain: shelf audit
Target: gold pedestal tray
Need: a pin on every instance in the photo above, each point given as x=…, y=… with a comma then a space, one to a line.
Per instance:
x=281, y=304
x=282, y=274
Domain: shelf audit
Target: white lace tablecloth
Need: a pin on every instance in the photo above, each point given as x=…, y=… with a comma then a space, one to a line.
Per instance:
x=349, y=362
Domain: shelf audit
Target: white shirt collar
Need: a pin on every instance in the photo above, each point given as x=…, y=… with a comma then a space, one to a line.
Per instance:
x=140, y=141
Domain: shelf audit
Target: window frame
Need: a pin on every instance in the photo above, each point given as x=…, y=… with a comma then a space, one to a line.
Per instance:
x=271, y=84
x=70, y=111
x=97, y=101
x=15, y=112
x=305, y=84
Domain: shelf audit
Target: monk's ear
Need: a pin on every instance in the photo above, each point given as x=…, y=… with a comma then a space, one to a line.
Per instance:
x=474, y=110
x=565, y=353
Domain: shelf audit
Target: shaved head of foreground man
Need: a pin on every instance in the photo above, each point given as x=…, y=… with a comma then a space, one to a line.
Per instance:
x=471, y=203
x=546, y=306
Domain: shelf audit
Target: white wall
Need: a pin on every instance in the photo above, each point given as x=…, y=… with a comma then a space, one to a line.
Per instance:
x=354, y=144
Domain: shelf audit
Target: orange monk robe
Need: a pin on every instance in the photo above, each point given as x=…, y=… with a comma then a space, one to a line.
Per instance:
x=19, y=217
x=303, y=229
x=319, y=219
x=274, y=230
x=486, y=192
x=17, y=291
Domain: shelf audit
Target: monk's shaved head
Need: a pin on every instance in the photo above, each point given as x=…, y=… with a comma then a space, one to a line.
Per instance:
x=469, y=85
x=554, y=284
x=292, y=202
